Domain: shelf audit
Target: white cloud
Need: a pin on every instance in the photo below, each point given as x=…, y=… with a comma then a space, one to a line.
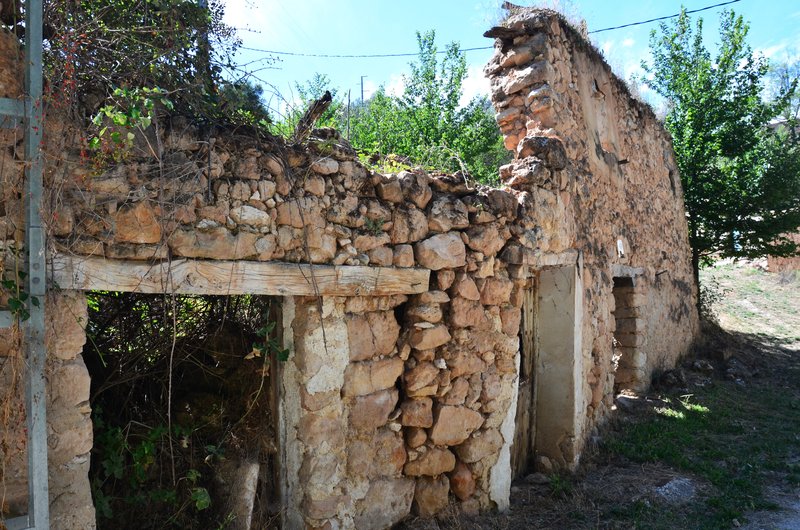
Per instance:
x=627, y=43
x=632, y=69
x=245, y=14
x=475, y=84
x=772, y=50
x=396, y=85
x=606, y=47
x=370, y=87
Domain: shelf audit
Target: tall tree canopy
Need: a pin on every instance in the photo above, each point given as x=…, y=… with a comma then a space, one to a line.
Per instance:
x=426, y=123
x=741, y=178
x=96, y=48
x=784, y=77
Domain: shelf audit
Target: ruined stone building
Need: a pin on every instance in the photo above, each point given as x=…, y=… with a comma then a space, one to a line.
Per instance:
x=444, y=336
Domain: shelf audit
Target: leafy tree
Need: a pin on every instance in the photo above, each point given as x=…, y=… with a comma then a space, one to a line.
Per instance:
x=479, y=140
x=741, y=180
x=242, y=102
x=784, y=77
x=95, y=47
x=426, y=123
x=376, y=125
x=432, y=91
x=315, y=89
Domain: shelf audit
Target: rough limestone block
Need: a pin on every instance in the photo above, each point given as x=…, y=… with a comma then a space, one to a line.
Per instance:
x=422, y=375
x=462, y=482
x=427, y=338
x=67, y=315
x=372, y=411
x=416, y=188
x=417, y=412
x=441, y=251
x=247, y=215
x=480, y=445
x=453, y=425
x=325, y=166
x=431, y=495
x=432, y=462
x=137, y=224
x=387, y=501
x=403, y=256
x=495, y=291
x=486, y=239
x=467, y=313
x=367, y=377
x=382, y=455
x=372, y=335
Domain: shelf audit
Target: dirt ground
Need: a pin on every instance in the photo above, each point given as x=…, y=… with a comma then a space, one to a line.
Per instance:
x=714, y=444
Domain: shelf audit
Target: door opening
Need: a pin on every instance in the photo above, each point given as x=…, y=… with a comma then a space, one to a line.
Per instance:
x=629, y=355
x=184, y=410
x=522, y=450
x=550, y=399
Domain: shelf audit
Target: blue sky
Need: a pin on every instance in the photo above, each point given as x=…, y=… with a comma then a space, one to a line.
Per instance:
x=355, y=27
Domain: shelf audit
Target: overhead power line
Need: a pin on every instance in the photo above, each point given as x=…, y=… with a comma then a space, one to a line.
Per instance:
x=344, y=56
x=379, y=55
x=665, y=18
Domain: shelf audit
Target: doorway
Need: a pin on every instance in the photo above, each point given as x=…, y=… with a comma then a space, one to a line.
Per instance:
x=522, y=450
x=184, y=410
x=629, y=354
x=550, y=392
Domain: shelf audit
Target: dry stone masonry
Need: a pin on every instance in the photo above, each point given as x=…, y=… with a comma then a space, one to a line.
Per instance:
x=405, y=401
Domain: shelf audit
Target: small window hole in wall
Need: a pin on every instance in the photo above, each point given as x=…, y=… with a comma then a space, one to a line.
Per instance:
x=212, y=362
x=629, y=356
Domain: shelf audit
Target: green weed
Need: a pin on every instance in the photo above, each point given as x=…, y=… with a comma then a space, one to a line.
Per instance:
x=724, y=437
x=560, y=485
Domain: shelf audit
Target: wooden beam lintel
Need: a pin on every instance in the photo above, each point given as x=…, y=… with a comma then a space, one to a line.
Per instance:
x=208, y=277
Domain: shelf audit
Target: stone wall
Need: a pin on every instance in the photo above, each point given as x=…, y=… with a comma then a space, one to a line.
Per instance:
x=405, y=403
x=599, y=159
x=69, y=424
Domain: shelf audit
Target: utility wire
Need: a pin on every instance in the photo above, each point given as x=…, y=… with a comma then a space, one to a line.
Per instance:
x=371, y=56
x=665, y=18
x=379, y=55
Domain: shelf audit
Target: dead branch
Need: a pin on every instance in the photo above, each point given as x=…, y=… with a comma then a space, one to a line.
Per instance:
x=306, y=123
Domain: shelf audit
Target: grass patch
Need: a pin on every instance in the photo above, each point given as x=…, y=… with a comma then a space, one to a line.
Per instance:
x=728, y=437
x=750, y=300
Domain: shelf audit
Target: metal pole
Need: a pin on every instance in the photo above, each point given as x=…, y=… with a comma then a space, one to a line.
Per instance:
x=348, y=114
x=362, y=88
x=12, y=114
x=39, y=504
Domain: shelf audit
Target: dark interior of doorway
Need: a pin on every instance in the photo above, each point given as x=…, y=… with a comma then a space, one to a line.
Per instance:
x=181, y=395
x=522, y=450
x=626, y=334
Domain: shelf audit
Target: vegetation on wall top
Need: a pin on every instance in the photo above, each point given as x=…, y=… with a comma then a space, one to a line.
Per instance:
x=425, y=124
